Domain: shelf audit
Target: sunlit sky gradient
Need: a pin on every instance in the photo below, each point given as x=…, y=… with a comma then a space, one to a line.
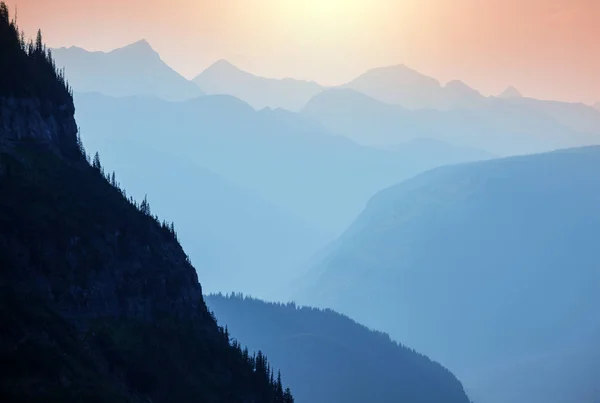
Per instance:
x=547, y=48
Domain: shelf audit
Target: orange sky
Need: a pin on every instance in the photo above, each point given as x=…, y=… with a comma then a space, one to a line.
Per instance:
x=546, y=48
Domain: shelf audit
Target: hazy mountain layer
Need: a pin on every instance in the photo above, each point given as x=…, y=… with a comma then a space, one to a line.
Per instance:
x=135, y=69
x=259, y=92
x=285, y=158
x=502, y=127
x=478, y=265
x=327, y=357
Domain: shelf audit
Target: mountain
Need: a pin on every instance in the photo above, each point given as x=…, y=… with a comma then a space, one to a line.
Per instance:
x=401, y=85
x=510, y=92
x=597, y=105
x=135, y=69
x=501, y=127
x=224, y=78
x=575, y=116
x=482, y=266
x=355, y=364
x=281, y=157
x=91, y=284
x=235, y=237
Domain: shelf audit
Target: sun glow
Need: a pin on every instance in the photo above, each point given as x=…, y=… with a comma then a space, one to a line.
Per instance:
x=333, y=12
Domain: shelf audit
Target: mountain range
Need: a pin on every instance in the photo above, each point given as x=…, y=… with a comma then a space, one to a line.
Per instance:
x=263, y=154
x=135, y=69
x=500, y=127
x=487, y=267
x=259, y=92
x=401, y=85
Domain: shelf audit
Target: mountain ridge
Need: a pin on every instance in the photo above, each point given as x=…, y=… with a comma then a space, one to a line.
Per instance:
x=223, y=77
x=424, y=249
x=134, y=69
x=356, y=363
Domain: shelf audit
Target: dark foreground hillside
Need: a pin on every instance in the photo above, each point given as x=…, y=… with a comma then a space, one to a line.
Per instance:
x=327, y=357
x=98, y=302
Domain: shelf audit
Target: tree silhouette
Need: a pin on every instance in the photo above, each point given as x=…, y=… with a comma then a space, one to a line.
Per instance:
x=145, y=206
x=96, y=162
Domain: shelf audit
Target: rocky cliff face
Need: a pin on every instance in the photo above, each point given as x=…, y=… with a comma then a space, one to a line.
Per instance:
x=107, y=272
x=40, y=120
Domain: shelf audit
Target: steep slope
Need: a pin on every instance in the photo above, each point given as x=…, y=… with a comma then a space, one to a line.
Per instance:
x=327, y=357
x=480, y=266
x=98, y=302
x=501, y=127
x=259, y=92
x=135, y=69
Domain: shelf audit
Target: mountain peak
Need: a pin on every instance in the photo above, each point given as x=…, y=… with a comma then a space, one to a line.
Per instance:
x=139, y=48
x=510, y=92
x=224, y=65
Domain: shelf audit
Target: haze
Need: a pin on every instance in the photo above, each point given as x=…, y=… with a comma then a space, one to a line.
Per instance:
x=546, y=48
x=412, y=217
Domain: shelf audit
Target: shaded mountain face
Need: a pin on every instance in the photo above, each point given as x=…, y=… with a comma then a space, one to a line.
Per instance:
x=501, y=127
x=91, y=283
x=327, y=357
x=223, y=78
x=597, y=105
x=135, y=69
x=483, y=266
x=403, y=86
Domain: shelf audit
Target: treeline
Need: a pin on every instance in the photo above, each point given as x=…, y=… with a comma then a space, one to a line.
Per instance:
x=168, y=228
x=263, y=372
x=327, y=357
x=27, y=68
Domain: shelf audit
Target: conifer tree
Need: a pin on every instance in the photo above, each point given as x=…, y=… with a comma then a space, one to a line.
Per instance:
x=145, y=206
x=96, y=162
x=279, y=388
x=287, y=396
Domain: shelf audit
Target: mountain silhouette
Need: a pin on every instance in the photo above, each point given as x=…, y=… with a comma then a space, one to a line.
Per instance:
x=500, y=127
x=510, y=92
x=327, y=357
x=136, y=69
x=401, y=85
x=469, y=249
x=224, y=78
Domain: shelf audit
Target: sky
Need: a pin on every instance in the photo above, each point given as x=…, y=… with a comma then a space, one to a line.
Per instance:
x=548, y=49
